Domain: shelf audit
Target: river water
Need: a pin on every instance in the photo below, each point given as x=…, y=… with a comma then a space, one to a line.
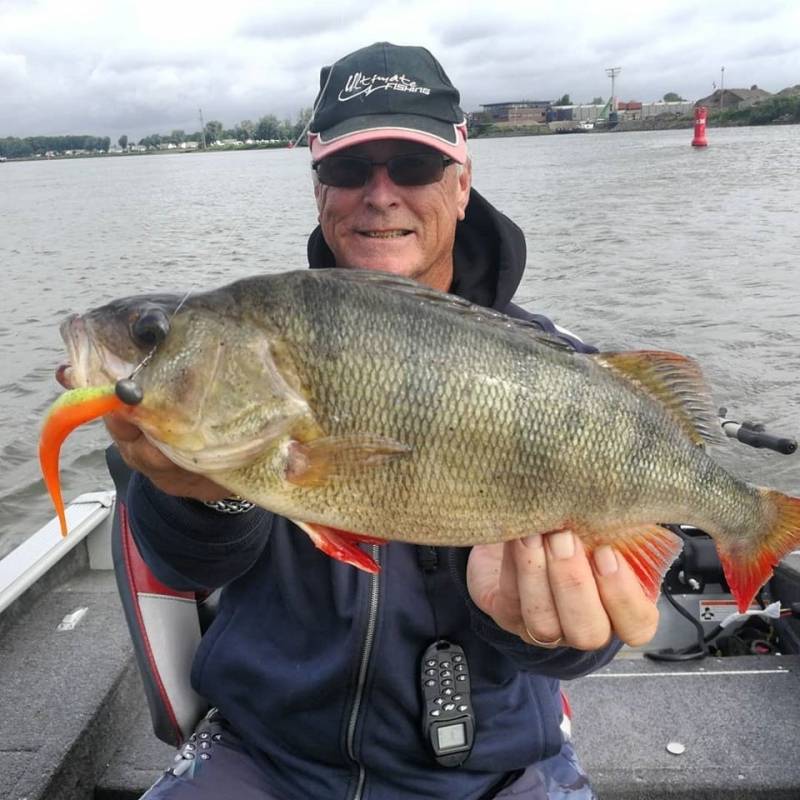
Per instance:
x=635, y=240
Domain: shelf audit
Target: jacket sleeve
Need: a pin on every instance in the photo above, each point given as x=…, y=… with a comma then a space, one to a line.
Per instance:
x=564, y=663
x=188, y=546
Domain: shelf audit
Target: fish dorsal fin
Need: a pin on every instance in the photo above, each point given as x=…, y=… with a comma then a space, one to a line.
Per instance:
x=453, y=303
x=675, y=381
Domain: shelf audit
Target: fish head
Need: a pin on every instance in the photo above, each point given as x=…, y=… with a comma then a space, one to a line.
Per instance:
x=109, y=342
x=216, y=389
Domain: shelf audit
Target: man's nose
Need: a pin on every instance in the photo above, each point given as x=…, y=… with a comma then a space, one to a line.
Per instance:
x=380, y=189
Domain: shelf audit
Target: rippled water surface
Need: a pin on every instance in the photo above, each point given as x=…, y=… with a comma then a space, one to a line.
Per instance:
x=634, y=241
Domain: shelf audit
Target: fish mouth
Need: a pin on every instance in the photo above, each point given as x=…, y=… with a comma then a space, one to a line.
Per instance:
x=90, y=362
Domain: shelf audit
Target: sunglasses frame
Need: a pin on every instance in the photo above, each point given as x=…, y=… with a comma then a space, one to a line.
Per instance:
x=446, y=161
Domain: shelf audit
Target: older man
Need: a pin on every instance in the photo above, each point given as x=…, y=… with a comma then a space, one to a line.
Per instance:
x=320, y=674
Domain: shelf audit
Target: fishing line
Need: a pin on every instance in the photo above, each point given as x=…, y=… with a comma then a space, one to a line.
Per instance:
x=315, y=106
x=126, y=388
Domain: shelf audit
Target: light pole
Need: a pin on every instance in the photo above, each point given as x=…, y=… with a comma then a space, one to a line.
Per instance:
x=202, y=127
x=722, y=89
x=612, y=73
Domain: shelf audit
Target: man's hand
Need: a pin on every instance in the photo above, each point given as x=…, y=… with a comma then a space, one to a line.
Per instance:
x=549, y=592
x=143, y=457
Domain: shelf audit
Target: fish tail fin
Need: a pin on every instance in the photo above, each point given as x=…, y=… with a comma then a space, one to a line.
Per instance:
x=748, y=566
x=648, y=549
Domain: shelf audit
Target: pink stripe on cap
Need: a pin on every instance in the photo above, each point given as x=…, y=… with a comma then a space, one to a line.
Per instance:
x=458, y=152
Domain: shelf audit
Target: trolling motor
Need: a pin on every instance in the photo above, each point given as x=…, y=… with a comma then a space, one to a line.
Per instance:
x=699, y=565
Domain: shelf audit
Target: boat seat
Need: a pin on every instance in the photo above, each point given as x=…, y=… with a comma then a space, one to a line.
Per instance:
x=165, y=625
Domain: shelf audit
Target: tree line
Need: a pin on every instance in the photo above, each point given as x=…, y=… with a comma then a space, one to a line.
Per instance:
x=267, y=128
x=13, y=147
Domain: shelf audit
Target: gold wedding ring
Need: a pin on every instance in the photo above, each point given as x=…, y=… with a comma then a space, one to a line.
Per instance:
x=547, y=645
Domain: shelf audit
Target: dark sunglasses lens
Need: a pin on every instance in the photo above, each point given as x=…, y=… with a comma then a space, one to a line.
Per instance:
x=416, y=170
x=343, y=171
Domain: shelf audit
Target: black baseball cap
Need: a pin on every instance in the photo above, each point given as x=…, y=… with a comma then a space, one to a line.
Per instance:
x=387, y=91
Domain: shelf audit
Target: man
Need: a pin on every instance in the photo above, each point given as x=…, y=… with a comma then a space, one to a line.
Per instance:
x=315, y=667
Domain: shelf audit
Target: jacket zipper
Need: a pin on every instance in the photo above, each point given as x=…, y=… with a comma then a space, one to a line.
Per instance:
x=366, y=653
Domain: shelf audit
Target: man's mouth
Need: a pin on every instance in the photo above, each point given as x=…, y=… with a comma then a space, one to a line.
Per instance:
x=391, y=234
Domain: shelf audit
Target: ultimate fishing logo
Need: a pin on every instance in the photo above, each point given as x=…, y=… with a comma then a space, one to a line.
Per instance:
x=360, y=85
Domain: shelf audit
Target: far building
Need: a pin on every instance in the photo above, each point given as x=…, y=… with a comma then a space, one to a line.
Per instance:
x=518, y=112
x=734, y=98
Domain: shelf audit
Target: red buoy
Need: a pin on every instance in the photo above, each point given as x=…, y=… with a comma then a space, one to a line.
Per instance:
x=700, y=116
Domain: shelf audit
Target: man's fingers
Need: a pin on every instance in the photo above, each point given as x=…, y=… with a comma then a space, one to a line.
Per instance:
x=506, y=611
x=584, y=621
x=633, y=615
x=483, y=575
x=540, y=622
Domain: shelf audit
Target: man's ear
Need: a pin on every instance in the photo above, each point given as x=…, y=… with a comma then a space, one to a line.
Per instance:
x=318, y=194
x=464, y=185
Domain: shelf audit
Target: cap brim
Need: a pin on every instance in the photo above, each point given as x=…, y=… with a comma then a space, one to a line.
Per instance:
x=446, y=137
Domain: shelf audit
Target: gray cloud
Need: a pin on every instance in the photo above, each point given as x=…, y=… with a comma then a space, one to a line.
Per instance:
x=282, y=23
x=110, y=68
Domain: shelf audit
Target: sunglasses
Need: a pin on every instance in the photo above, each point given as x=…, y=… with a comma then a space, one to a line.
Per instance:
x=411, y=169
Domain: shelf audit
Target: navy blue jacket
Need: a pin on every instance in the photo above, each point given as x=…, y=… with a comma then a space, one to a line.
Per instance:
x=315, y=663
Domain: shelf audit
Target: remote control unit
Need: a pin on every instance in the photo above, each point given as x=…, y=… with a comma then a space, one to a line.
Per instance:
x=448, y=721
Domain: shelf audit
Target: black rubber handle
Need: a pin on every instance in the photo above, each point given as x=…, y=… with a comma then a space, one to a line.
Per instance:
x=756, y=438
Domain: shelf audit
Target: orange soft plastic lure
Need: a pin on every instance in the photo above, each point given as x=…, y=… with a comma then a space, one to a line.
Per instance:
x=70, y=410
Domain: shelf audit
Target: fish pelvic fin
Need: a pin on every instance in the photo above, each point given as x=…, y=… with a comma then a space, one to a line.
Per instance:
x=316, y=463
x=340, y=545
x=648, y=549
x=72, y=409
x=748, y=565
x=674, y=380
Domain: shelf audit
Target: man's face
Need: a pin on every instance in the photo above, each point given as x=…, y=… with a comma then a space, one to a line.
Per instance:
x=405, y=230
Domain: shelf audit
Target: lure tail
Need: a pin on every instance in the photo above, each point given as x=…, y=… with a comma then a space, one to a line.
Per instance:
x=70, y=410
x=748, y=566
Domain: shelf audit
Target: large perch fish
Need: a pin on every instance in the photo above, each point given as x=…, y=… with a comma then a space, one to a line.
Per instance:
x=363, y=405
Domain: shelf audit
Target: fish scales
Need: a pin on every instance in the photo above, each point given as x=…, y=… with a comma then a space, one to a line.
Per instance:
x=490, y=447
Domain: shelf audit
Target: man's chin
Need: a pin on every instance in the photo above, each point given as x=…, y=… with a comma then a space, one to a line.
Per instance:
x=394, y=264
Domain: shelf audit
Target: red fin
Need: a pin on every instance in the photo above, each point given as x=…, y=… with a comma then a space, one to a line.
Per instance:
x=339, y=545
x=749, y=566
x=70, y=410
x=360, y=537
x=649, y=549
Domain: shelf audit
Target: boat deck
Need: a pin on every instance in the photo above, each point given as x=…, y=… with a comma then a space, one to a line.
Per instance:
x=74, y=721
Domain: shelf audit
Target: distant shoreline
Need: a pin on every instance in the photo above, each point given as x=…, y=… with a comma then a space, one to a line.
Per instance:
x=136, y=153
x=625, y=126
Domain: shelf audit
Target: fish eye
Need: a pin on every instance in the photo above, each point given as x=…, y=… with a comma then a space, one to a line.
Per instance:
x=150, y=328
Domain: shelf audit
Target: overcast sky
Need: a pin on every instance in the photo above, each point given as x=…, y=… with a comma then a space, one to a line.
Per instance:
x=108, y=67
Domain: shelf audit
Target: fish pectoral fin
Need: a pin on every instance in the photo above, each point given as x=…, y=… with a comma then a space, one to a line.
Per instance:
x=316, y=463
x=340, y=545
x=648, y=549
x=675, y=381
